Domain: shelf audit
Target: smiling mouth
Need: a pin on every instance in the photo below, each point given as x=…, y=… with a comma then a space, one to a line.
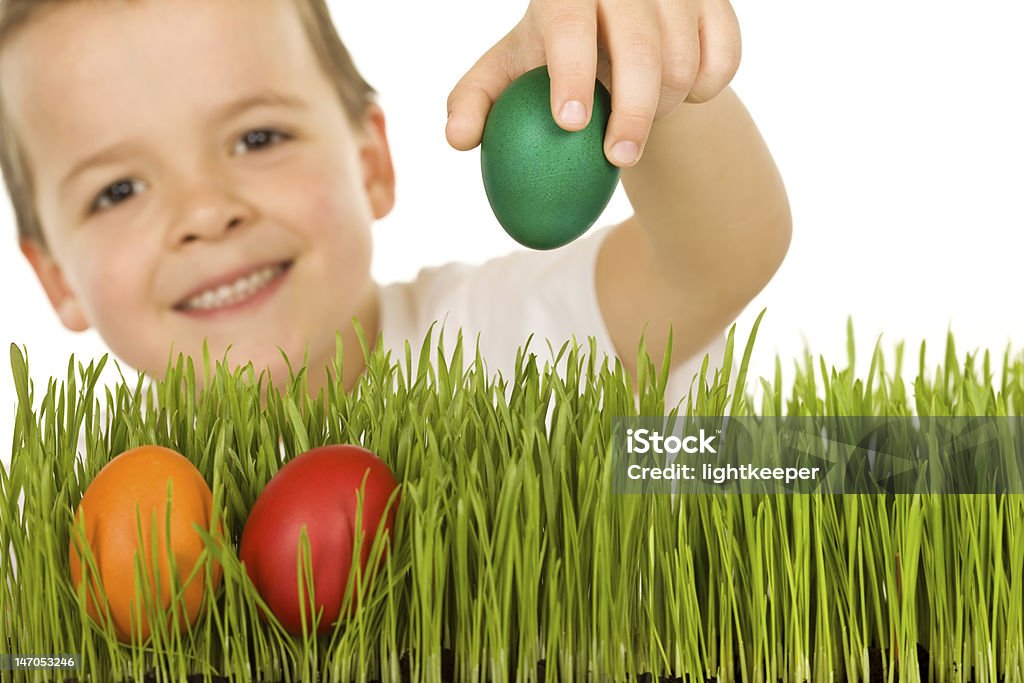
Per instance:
x=235, y=292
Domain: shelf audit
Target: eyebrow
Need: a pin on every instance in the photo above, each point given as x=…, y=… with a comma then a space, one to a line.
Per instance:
x=267, y=98
x=222, y=113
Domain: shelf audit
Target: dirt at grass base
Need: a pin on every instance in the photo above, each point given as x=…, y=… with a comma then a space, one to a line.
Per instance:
x=448, y=672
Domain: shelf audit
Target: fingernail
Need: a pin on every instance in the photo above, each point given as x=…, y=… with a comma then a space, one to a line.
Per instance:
x=573, y=113
x=625, y=151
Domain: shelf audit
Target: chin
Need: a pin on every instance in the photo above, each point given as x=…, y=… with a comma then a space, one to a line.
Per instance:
x=273, y=362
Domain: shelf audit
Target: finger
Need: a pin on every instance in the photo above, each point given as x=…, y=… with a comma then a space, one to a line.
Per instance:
x=720, y=50
x=680, y=55
x=568, y=30
x=472, y=97
x=634, y=48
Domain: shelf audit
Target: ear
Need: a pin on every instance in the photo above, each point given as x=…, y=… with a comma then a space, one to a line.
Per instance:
x=63, y=300
x=378, y=171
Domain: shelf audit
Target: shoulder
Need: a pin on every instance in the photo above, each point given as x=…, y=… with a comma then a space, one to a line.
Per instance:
x=549, y=294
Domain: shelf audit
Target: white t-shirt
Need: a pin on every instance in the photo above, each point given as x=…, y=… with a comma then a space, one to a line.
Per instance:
x=552, y=294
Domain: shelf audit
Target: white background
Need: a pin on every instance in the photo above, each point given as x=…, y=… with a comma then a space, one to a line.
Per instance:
x=896, y=126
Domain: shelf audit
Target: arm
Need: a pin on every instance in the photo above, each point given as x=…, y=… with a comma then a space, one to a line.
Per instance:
x=711, y=227
x=712, y=220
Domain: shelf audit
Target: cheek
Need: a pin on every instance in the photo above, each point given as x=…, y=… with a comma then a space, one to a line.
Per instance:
x=115, y=276
x=114, y=282
x=328, y=205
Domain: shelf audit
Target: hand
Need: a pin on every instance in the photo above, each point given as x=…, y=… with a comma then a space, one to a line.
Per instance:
x=652, y=54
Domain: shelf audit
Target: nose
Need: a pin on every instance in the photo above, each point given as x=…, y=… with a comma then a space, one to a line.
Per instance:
x=208, y=211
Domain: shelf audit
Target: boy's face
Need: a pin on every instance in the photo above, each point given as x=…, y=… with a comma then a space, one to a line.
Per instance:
x=196, y=177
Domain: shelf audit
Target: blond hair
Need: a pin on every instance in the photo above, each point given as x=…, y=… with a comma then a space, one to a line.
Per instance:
x=353, y=91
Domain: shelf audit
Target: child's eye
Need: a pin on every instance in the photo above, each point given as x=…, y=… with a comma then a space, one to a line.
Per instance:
x=117, y=192
x=258, y=139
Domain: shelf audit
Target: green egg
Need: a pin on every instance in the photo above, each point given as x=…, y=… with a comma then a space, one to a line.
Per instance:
x=546, y=185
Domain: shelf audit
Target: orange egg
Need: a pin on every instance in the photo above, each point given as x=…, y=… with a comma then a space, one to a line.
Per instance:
x=136, y=482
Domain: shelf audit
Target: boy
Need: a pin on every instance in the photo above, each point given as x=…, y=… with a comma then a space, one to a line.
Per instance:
x=210, y=169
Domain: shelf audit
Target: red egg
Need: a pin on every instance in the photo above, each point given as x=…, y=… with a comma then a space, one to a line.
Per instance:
x=317, y=491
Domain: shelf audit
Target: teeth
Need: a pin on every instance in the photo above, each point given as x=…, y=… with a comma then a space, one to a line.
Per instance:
x=232, y=293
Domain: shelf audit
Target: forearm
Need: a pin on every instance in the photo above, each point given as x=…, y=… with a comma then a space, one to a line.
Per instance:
x=710, y=200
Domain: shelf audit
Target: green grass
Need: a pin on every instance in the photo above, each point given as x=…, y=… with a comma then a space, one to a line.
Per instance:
x=510, y=546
